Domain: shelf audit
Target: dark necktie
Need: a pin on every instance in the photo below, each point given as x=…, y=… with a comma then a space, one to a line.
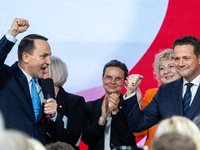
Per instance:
x=35, y=99
x=187, y=99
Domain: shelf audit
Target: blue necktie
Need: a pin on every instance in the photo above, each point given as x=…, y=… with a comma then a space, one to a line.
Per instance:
x=35, y=99
x=187, y=99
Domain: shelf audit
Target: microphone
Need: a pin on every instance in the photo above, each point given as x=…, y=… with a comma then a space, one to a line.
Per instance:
x=48, y=92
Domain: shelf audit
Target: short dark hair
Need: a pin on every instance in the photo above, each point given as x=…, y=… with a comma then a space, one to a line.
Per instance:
x=189, y=40
x=116, y=63
x=27, y=44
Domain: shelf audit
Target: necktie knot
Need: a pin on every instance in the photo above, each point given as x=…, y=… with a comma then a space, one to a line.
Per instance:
x=189, y=85
x=33, y=80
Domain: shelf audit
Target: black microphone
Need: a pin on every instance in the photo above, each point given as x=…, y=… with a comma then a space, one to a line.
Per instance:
x=48, y=92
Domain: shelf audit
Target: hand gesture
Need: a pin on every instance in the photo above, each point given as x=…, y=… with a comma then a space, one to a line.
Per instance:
x=104, y=111
x=18, y=26
x=113, y=101
x=133, y=81
x=50, y=106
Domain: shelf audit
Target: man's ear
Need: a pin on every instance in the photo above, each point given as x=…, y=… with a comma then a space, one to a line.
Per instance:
x=25, y=57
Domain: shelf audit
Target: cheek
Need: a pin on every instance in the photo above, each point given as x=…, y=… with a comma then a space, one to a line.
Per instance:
x=161, y=74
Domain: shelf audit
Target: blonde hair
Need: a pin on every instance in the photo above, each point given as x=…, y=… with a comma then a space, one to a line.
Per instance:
x=166, y=54
x=20, y=141
x=181, y=125
x=58, y=71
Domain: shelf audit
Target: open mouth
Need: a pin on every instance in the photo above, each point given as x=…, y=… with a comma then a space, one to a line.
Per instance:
x=43, y=69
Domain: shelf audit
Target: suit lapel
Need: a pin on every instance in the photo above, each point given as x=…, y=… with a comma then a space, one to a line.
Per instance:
x=176, y=93
x=62, y=100
x=23, y=81
x=24, y=84
x=195, y=105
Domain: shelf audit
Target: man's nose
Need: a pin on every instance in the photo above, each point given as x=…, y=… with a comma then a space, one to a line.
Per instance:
x=48, y=60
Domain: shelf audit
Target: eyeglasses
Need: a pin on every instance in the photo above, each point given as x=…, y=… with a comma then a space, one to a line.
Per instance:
x=116, y=79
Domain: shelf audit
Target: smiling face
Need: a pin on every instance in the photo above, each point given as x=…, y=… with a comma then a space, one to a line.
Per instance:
x=38, y=61
x=186, y=62
x=167, y=71
x=116, y=83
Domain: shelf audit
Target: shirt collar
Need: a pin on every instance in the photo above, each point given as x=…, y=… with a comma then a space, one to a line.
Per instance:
x=196, y=81
x=27, y=75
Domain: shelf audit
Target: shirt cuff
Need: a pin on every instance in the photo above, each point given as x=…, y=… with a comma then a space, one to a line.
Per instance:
x=125, y=98
x=54, y=118
x=10, y=38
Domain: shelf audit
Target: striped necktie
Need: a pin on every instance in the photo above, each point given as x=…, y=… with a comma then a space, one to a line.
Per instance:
x=187, y=99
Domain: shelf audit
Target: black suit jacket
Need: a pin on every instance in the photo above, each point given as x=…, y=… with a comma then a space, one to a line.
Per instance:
x=71, y=106
x=93, y=135
x=16, y=104
x=166, y=103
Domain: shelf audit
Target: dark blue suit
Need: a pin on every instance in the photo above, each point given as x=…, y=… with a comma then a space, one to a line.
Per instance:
x=166, y=103
x=15, y=101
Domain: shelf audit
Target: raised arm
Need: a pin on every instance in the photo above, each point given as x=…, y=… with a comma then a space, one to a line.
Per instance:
x=18, y=26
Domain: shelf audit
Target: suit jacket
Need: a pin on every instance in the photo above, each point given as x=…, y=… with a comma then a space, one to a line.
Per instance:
x=93, y=135
x=166, y=103
x=15, y=101
x=151, y=131
x=71, y=106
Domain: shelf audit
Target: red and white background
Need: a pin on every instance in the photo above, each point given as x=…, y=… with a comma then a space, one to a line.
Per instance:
x=88, y=34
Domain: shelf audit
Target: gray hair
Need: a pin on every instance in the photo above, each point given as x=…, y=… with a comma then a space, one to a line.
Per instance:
x=58, y=71
x=166, y=54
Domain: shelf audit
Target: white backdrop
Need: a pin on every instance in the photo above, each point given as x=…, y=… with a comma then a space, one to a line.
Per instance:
x=87, y=34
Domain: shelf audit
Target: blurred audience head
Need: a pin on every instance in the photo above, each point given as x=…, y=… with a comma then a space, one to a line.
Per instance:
x=173, y=141
x=18, y=140
x=181, y=125
x=197, y=121
x=164, y=68
x=57, y=70
x=59, y=146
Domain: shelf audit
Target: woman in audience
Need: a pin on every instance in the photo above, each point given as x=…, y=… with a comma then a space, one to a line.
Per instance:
x=70, y=106
x=181, y=125
x=165, y=72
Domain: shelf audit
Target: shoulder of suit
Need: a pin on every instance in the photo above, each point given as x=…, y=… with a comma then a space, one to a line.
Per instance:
x=94, y=102
x=173, y=83
x=74, y=96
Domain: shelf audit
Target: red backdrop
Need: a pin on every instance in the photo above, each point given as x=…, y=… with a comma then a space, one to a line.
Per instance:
x=182, y=18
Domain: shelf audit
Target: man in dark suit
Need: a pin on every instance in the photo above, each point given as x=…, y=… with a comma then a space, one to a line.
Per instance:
x=180, y=97
x=16, y=85
x=106, y=125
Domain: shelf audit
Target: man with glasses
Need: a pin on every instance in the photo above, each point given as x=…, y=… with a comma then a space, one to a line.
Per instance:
x=106, y=125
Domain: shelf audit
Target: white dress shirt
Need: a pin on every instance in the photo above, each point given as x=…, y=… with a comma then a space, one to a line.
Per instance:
x=193, y=89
